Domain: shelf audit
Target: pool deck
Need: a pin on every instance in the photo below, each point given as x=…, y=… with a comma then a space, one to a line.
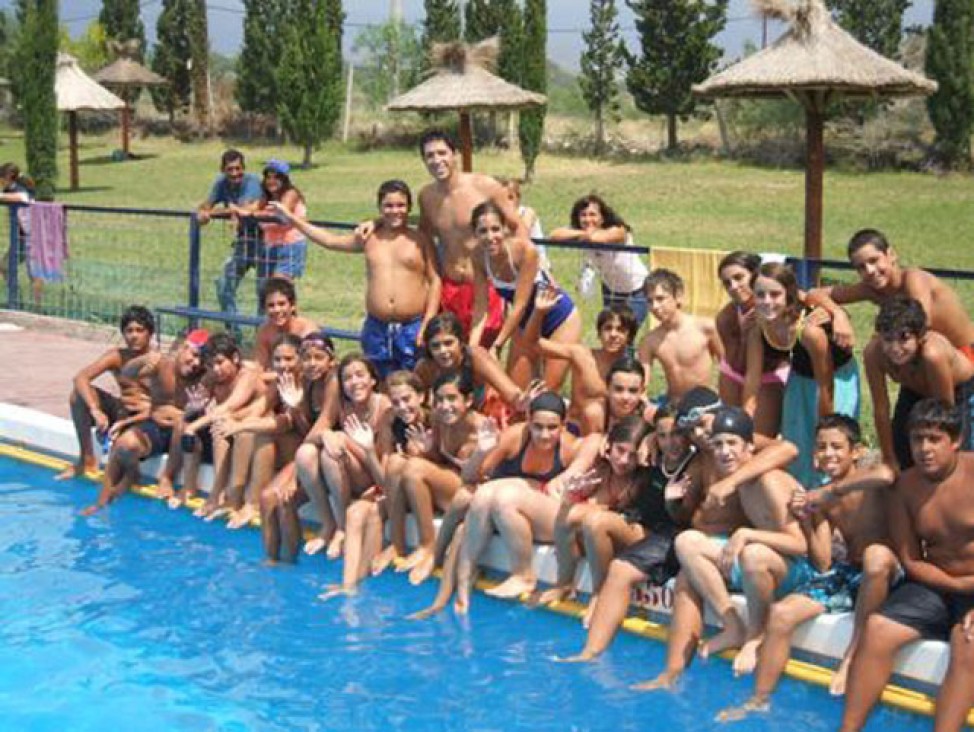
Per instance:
x=41, y=355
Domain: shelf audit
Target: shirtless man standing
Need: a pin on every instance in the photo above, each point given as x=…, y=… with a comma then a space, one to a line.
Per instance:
x=687, y=347
x=403, y=288
x=931, y=514
x=92, y=406
x=445, y=208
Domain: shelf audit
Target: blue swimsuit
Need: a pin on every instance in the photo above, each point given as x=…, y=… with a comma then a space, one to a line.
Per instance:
x=555, y=317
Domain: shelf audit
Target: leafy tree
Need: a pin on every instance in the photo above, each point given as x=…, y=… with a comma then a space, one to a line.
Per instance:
x=601, y=62
x=121, y=22
x=481, y=20
x=310, y=74
x=534, y=78
x=35, y=66
x=950, y=61
x=256, y=88
x=442, y=24
x=393, y=59
x=8, y=42
x=171, y=56
x=90, y=49
x=677, y=52
x=875, y=23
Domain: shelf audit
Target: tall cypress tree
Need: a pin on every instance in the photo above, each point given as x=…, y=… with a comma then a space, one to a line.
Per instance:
x=677, y=52
x=35, y=67
x=510, y=64
x=256, y=89
x=534, y=77
x=875, y=23
x=481, y=20
x=199, y=51
x=950, y=61
x=601, y=62
x=170, y=57
x=310, y=74
x=121, y=21
x=442, y=24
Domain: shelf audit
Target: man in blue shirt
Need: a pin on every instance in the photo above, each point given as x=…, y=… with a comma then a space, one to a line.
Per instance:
x=234, y=186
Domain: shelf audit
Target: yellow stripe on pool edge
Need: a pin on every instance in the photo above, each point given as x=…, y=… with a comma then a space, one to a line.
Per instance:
x=894, y=696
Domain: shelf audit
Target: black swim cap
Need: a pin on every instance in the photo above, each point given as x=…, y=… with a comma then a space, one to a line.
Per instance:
x=733, y=421
x=548, y=402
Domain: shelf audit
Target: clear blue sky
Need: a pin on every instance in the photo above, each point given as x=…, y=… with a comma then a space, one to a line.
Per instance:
x=566, y=19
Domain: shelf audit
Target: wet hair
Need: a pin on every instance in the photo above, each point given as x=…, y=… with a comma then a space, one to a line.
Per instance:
x=229, y=156
x=609, y=216
x=669, y=280
x=394, y=186
x=220, y=344
x=446, y=322
x=784, y=275
x=628, y=429
x=667, y=411
x=844, y=423
x=865, y=237
x=484, y=208
x=548, y=401
x=462, y=378
x=626, y=365
x=137, y=314
x=321, y=340
x=748, y=260
x=287, y=339
x=436, y=135
x=935, y=414
x=626, y=318
x=402, y=377
x=279, y=285
x=348, y=360
x=901, y=315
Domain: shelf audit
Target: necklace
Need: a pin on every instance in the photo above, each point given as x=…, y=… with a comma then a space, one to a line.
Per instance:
x=681, y=466
x=775, y=343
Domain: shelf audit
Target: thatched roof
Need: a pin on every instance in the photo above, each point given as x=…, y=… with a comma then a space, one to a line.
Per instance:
x=461, y=81
x=815, y=54
x=77, y=91
x=126, y=72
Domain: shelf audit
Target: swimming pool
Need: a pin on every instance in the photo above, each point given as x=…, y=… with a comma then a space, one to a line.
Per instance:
x=147, y=619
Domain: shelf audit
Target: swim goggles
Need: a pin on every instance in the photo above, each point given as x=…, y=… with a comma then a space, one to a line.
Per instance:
x=694, y=415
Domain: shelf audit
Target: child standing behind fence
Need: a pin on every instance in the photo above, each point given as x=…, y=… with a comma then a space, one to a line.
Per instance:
x=403, y=291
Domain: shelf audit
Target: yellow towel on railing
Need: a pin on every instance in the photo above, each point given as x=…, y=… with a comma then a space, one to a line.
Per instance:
x=705, y=295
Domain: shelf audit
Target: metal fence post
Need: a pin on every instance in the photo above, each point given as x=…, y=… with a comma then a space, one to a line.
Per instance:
x=804, y=274
x=194, y=262
x=13, y=257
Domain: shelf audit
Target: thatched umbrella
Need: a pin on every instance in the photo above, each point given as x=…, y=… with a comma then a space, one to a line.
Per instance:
x=814, y=63
x=76, y=91
x=461, y=81
x=122, y=76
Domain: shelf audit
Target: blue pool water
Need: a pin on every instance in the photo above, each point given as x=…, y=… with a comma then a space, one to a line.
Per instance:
x=147, y=619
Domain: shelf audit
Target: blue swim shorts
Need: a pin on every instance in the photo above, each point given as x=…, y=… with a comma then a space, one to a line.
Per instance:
x=390, y=346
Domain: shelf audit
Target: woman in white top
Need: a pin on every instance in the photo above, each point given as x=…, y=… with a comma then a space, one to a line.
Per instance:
x=622, y=273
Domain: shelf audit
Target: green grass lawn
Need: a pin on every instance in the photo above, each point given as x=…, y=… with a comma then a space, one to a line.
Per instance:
x=707, y=204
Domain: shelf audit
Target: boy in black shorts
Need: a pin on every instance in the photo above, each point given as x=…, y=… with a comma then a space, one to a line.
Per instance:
x=931, y=515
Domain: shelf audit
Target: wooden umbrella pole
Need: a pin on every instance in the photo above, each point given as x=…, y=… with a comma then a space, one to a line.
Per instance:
x=126, y=121
x=73, y=148
x=466, y=141
x=814, y=173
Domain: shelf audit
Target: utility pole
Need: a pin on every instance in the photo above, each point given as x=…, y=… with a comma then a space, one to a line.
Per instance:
x=395, y=11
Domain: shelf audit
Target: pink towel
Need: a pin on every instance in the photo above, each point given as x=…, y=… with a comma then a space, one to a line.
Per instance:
x=47, y=246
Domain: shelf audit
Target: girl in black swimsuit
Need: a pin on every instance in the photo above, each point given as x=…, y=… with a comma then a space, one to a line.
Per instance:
x=528, y=471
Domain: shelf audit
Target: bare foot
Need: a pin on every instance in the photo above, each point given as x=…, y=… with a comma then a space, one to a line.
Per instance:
x=513, y=587
x=216, y=512
x=336, y=545
x=664, y=682
x=164, y=489
x=315, y=545
x=381, y=562
x=461, y=606
x=583, y=657
x=423, y=568
x=77, y=470
x=732, y=636
x=333, y=591
x=589, y=611
x=839, y=678
x=553, y=595
x=242, y=517
x=425, y=613
x=414, y=558
x=92, y=509
x=747, y=658
x=174, y=502
x=754, y=705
